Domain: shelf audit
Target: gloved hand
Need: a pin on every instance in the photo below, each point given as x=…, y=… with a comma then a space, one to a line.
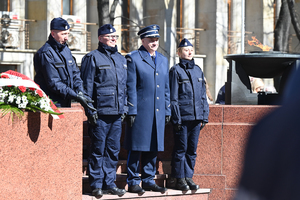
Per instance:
x=130, y=119
x=177, y=127
x=167, y=120
x=202, y=125
x=84, y=100
x=92, y=119
x=123, y=116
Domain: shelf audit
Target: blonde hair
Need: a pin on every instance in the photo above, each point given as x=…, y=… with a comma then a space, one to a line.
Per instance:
x=179, y=50
x=257, y=83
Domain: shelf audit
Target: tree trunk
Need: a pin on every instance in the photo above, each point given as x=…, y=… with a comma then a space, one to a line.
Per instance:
x=104, y=16
x=103, y=12
x=112, y=11
x=281, y=32
x=295, y=21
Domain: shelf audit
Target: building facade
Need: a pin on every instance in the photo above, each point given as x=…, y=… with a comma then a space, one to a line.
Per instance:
x=214, y=28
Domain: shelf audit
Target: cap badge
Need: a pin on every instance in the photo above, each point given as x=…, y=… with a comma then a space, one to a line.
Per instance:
x=66, y=27
x=111, y=30
x=154, y=26
x=185, y=43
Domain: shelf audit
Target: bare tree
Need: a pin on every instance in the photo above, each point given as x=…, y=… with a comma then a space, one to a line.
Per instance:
x=104, y=15
x=294, y=17
x=281, y=32
x=287, y=15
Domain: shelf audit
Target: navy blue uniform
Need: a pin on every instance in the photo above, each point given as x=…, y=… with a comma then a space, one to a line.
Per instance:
x=104, y=75
x=149, y=100
x=189, y=108
x=57, y=73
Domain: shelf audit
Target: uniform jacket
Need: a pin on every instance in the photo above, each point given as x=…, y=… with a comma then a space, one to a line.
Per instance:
x=188, y=93
x=148, y=99
x=57, y=72
x=104, y=75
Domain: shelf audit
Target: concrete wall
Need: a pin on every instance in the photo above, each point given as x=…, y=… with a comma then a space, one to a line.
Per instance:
x=206, y=19
x=23, y=60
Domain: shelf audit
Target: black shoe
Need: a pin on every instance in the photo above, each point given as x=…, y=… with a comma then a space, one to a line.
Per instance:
x=182, y=185
x=115, y=191
x=191, y=183
x=97, y=193
x=155, y=188
x=136, y=189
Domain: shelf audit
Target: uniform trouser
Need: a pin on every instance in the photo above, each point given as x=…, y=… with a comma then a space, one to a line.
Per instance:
x=105, y=139
x=148, y=167
x=185, y=149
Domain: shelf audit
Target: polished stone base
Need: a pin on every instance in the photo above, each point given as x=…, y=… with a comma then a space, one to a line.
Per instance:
x=41, y=157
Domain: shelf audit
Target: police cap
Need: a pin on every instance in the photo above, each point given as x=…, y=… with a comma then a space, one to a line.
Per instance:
x=59, y=24
x=185, y=43
x=106, y=29
x=149, y=31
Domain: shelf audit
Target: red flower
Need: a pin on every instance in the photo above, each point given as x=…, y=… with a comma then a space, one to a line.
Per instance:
x=39, y=92
x=4, y=76
x=22, y=88
x=32, y=89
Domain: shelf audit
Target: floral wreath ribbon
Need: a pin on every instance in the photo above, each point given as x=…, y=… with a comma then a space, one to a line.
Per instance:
x=18, y=79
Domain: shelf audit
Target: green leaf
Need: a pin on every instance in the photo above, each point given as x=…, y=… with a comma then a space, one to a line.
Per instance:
x=6, y=108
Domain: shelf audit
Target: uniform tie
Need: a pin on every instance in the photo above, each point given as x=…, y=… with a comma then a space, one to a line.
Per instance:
x=153, y=59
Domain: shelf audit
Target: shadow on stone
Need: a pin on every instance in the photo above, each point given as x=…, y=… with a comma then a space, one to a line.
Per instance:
x=34, y=125
x=50, y=121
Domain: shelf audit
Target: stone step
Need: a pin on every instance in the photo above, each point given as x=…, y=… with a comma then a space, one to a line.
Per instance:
x=200, y=194
x=160, y=179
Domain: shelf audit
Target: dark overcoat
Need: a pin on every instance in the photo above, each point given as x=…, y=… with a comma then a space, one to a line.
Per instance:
x=148, y=99
x=57, y=73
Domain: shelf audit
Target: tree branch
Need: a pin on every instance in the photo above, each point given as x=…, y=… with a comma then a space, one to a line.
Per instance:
x=282, y=28
x=295, y=21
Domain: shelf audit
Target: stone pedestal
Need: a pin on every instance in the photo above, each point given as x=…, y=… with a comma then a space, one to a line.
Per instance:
x=41, y=158
x=221, y=148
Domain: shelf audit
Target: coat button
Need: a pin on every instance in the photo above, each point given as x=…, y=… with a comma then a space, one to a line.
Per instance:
x=156, y=74
x=157, y=97
x=158, y=86
x=157, y=110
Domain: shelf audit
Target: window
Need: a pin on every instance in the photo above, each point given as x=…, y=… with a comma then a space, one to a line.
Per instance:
x=5, y=5
x=4, y=68
x=67, y=7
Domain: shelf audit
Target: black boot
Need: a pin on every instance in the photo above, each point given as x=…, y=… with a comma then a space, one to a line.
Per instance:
x=182, y=185
x=115, y=191
x=97, y=193
x=191, y=183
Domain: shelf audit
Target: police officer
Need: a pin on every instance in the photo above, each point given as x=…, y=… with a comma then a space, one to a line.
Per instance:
x=104, y=75
x=56, y=69
x=221, y=96
x=190, y=111
x=149, y=109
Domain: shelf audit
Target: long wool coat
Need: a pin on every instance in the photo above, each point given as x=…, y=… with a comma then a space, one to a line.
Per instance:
x=148, y=99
